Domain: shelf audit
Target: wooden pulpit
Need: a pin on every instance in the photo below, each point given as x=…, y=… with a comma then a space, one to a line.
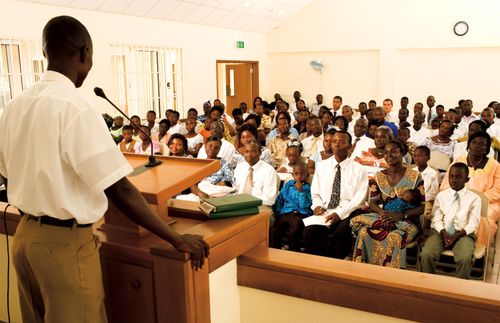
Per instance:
x=157, y=185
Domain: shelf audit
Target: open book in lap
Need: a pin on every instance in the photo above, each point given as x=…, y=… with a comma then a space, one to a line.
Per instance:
x=316, y=220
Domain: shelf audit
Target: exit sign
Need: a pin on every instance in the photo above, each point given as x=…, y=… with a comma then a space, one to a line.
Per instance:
x=240, y=44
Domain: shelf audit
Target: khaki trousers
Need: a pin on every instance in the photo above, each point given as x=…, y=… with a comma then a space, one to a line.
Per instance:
x=59, y=273
x=462, y=253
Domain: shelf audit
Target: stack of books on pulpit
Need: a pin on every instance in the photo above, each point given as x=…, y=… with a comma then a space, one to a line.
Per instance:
x=230, y=205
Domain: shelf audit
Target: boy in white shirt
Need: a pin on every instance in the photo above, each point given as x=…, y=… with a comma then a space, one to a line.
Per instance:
x=421, y=157
x=256, y=177
x=456, y=215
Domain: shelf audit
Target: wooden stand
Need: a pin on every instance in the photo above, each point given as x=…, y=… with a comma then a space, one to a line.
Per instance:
x=145, y=278
x=157, y=185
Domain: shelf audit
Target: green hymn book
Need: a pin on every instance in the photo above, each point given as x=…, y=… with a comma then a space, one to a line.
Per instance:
x=229, y=203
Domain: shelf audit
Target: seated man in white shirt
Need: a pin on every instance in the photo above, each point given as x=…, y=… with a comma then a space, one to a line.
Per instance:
x=339, y=188
x=488, y=116
x=361, y=142
x=256, y=177
x=314, y=142
x=227, y=149
x=418, y=133
x=455, y=220
x=176, y=127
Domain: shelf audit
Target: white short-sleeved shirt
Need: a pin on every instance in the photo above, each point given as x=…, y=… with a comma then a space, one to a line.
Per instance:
x=62, y=159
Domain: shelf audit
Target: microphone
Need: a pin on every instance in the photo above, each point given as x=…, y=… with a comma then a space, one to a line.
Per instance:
x=152, y=159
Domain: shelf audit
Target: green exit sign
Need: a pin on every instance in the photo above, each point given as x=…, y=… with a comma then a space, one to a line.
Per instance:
x=240, y=44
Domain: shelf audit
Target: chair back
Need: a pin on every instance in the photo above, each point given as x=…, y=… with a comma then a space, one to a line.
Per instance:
x=439, y=160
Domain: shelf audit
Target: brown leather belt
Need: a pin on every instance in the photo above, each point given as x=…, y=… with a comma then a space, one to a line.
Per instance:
x=45, y=219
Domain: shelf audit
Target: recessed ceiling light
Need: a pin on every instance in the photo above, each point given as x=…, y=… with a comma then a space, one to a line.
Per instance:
x=247, y=4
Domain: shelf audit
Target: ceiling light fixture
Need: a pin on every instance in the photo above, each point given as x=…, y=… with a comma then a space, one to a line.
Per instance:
x=247, y=4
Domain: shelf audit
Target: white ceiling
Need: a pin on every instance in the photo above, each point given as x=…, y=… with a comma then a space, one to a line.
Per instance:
x=249, y=15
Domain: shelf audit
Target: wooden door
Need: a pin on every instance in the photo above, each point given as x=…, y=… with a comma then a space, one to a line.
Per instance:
x=239, y=85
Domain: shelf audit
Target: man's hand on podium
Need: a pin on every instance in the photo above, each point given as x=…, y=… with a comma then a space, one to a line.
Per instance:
x=196, y=247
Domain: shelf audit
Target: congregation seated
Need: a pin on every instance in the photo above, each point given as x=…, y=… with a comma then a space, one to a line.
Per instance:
x=262, y=146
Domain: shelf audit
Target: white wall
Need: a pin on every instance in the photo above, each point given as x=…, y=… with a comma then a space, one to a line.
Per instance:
x=201, y=45
x=389, y=48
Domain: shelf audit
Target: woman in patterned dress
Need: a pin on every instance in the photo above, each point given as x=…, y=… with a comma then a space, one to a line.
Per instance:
x=382, y=235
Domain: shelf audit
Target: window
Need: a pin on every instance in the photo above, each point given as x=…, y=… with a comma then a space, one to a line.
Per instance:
x=21, y=64
x=147, y=78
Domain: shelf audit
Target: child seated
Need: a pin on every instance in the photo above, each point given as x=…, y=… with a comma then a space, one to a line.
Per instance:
x=455, y=220
x=293, y=152
x=292, y=205
x=421, y=157
x=144, y=146
x=117, y=129
x=127, y=145
x=178, y=145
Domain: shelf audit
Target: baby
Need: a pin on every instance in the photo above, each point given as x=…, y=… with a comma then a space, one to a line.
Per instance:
x=410, y=199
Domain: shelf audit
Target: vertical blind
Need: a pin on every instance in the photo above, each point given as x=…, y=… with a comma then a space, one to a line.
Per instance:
x=147, y=78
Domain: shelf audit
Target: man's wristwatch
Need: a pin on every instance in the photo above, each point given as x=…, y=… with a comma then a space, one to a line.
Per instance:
x=405, y=216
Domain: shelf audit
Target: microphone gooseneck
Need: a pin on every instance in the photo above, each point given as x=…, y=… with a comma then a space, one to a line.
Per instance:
x=152, y=159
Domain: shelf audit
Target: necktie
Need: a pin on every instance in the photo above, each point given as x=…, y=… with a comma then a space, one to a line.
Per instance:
x=314, y=147
x=429, y=116
x=335, y=198
x=249, y=182
x=455, y=206
x=354, y=144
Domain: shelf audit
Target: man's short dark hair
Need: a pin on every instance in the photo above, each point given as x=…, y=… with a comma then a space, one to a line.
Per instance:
x=127, y=127
x=64, y=36
x=347, y=134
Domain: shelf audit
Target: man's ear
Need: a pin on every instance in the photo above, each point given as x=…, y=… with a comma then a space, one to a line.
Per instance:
x=467, y=179
x=84, y=52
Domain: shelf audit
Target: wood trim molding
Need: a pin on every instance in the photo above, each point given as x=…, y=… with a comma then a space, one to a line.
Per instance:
x=392, y=292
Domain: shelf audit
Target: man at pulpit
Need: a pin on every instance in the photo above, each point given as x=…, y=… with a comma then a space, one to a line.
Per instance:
x=61, y=184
